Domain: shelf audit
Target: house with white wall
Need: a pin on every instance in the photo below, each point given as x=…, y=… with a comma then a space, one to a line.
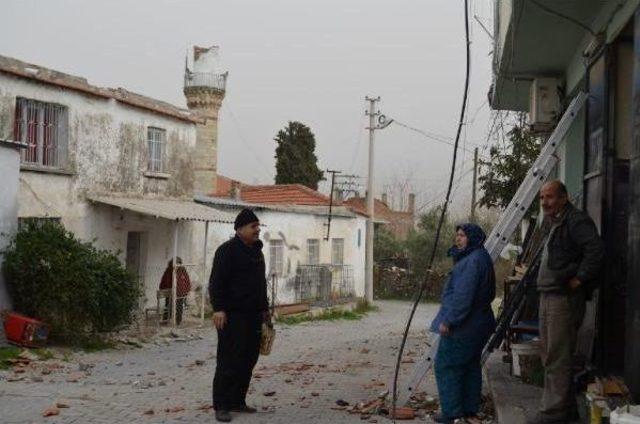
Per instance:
x=113, y=166
x=311, y=261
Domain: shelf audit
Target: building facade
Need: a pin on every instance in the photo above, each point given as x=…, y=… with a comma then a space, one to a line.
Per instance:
x=311, y=262
x=591, y=46
x=89, y=149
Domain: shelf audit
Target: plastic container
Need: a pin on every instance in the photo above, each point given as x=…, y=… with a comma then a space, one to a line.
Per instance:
x=521, y=352
x=25, y=331
x=629, y=414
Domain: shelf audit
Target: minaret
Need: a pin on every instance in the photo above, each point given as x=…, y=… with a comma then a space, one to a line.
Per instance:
x=204, y=88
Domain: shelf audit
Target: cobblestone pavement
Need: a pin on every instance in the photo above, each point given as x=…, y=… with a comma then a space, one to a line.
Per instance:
x=312, y=366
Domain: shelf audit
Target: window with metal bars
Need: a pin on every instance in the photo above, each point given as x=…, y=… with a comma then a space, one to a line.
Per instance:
x=157, y=140
x=44, y=128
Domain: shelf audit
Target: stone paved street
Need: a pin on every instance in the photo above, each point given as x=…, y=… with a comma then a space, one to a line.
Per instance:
x=313, y=365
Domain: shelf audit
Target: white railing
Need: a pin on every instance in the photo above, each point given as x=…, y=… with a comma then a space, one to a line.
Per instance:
x=206, y=79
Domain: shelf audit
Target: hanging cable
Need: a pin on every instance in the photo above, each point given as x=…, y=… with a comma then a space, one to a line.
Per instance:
x=265, y=168
x=442, y=214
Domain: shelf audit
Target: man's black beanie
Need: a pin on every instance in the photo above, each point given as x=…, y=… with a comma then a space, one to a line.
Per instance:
x=246, y=216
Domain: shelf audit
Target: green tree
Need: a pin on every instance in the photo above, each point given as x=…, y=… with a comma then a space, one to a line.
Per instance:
x=72, y=286
x=420, y=242
x=296, y=162
x=417, y=248
x=502, y=174
x=386, y=246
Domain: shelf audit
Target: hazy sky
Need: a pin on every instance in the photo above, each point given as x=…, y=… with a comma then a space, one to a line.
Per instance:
x=307, y=60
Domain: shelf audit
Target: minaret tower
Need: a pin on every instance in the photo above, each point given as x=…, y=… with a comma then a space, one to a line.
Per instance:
x=204, y=88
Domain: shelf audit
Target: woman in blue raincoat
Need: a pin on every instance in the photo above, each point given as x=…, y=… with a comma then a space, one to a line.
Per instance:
x=465, y=322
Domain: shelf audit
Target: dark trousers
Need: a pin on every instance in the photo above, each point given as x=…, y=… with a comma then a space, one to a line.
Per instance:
x=238, y=351
x=459, y=375
x=180, y=302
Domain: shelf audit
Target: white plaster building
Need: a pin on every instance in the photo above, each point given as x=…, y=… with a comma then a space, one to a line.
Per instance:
x=113, y=166
x=308, y=266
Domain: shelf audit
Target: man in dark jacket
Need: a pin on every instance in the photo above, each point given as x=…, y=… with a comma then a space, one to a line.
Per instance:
x=569, y=269
x=238, y=292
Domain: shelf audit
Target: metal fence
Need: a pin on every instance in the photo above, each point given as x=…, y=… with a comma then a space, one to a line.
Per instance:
x=324, y=284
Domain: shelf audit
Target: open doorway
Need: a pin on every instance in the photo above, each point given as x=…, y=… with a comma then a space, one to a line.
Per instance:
x=135, y=257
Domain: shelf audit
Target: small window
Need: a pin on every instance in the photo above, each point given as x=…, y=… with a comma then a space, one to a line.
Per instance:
x=359, y=237
x=313, y=251
x=337, y=251
x=276, y=257
x=43, y=128
x=157, y=138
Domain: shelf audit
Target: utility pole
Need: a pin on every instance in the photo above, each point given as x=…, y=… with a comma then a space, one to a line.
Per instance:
x=370, y=204
x=333, y=177
x=473, y=189
x=382, y=122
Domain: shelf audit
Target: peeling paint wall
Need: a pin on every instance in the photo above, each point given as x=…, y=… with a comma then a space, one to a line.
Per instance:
x=107, y=155
x=108, y=151
x=7, y=108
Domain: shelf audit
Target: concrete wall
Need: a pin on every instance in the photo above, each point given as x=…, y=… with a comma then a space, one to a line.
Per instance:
x=107, y=143
x=10, y=166
x=295, y=229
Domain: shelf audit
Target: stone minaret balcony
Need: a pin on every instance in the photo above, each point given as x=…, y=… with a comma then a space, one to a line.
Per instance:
x=205, y=80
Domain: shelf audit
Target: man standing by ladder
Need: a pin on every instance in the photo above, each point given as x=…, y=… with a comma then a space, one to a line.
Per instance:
x=569, y=269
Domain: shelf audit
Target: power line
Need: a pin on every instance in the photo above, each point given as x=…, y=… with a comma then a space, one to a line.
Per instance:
x=458, y=170
x=227, y=108
x=444, y=207
x=437, y=197
x=360, y=133
x=431, y=136
x=477, y=111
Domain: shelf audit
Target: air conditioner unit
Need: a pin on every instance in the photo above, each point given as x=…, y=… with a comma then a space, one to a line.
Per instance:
x=545, y=108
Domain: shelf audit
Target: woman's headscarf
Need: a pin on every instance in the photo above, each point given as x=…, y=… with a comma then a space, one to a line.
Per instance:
x=475, y=237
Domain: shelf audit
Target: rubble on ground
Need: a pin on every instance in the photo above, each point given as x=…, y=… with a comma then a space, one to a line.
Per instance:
x=420, y=405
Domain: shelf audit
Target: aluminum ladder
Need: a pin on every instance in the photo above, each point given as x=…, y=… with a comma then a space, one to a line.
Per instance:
x=507, y=224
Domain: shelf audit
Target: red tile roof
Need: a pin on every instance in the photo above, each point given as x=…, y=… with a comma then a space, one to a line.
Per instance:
x=380, y=209
x=398, y=222
x=292, y=194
